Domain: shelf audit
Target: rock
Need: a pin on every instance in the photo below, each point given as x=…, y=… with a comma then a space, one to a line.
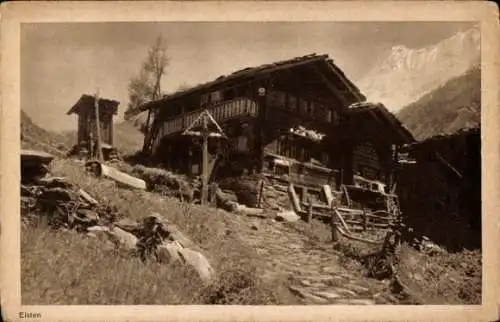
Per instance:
x=27, y=202
x=199, y=262
x=357, y=288
x=98, y=229
x=129, y=225
x=178, y=236
x=346, y=292
x=289, y=216
x=122, y=238
x=327, y=294
x=30, y=172
x=54, y=182
x=86, y=216
x=99, y=232
x=381, y=298
x=355, y=301
x=251, y=212
x=254, y=227
x=169, y=252
x=35, y=157
x=306, y=295
x=170, y=231
x=57, y=194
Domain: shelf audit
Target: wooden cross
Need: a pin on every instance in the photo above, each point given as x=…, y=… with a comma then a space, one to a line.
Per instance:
x=205, y=133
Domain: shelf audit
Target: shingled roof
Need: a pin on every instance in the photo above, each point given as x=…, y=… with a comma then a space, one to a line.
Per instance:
x=87, y=101
x=380, y=114
x=324, y=60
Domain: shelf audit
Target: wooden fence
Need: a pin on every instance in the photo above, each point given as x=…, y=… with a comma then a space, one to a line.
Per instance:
x=345, y=221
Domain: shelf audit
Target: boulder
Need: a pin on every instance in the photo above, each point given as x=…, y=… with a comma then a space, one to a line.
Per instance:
x=129, y=225
x=169, y=231
x=169, y=252
x=57, y=194
x=35, y=157
x=98, y=232
x=199, y=262
x=86, y=216
x=288, y=215
x=123, y=239
x=252, y=212
x=54, y=182
x=98, y=229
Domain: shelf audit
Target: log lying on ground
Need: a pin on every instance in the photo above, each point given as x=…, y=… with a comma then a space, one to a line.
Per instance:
x=121, y=178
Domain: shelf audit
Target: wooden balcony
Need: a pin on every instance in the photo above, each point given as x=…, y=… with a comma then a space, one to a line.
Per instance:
x=221, y=112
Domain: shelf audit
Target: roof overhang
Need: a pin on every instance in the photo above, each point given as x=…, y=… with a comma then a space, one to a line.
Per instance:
x=325, y=67
x=88, y=100
x=382, y=122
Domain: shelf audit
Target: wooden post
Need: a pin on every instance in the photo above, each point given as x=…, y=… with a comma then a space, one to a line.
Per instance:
x=204, y=174
x=98, y=126
x=309, y=212
x=146, y=133
x=213, y=194
x=111, y=132
x=260, y=193
x=365, y=220
x=335, y=233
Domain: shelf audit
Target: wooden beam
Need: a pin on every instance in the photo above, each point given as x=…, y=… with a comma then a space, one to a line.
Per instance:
x=98, y=127
x=331, y=86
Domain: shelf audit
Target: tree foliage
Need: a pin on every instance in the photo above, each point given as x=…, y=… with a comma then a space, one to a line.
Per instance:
x=146, y=86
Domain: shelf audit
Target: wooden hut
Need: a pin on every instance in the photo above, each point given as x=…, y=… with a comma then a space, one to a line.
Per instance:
x=440, y=189
x=300, y=120
x=85, y=109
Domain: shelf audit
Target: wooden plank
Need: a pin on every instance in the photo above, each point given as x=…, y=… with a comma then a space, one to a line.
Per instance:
x=98, y=127
x=293, y=197
x=121, y=177
x=327, y=190
x=349, y=236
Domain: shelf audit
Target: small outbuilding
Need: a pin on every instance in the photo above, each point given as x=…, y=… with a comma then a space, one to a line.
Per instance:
x=85, y=109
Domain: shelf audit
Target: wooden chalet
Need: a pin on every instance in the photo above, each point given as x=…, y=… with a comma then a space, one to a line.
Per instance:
x=301, y=120
x=85, y=109
x=439, y=185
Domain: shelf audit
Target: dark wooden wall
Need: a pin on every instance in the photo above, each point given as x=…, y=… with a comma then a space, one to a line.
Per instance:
x=437, y=202
x=84, y=126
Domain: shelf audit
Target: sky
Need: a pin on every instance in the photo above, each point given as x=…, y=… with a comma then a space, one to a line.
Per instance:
x=62, y=61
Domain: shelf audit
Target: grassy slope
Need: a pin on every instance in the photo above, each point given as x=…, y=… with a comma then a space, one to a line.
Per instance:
x=34, y=137
x=66, y=268
x=128, y=139
x=455, y=105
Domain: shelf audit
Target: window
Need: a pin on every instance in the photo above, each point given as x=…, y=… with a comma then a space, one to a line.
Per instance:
x=215, y=97
x=276, y=99
x=335, y=117
x=205, y=99
x=242, y=143
x=329, y=116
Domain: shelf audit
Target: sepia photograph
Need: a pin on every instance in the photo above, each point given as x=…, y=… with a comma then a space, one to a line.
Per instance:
x=255, y=163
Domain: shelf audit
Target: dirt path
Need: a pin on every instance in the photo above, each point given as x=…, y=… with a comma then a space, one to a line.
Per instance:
x=313, y=271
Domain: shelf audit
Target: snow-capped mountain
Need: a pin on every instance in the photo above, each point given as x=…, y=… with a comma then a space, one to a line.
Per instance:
x=408, y=74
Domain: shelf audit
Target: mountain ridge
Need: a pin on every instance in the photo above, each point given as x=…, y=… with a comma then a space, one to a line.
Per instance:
x=449, y=108
x=407, y=74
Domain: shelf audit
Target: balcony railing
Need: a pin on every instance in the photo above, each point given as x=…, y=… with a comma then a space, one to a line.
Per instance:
x=221, y=112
